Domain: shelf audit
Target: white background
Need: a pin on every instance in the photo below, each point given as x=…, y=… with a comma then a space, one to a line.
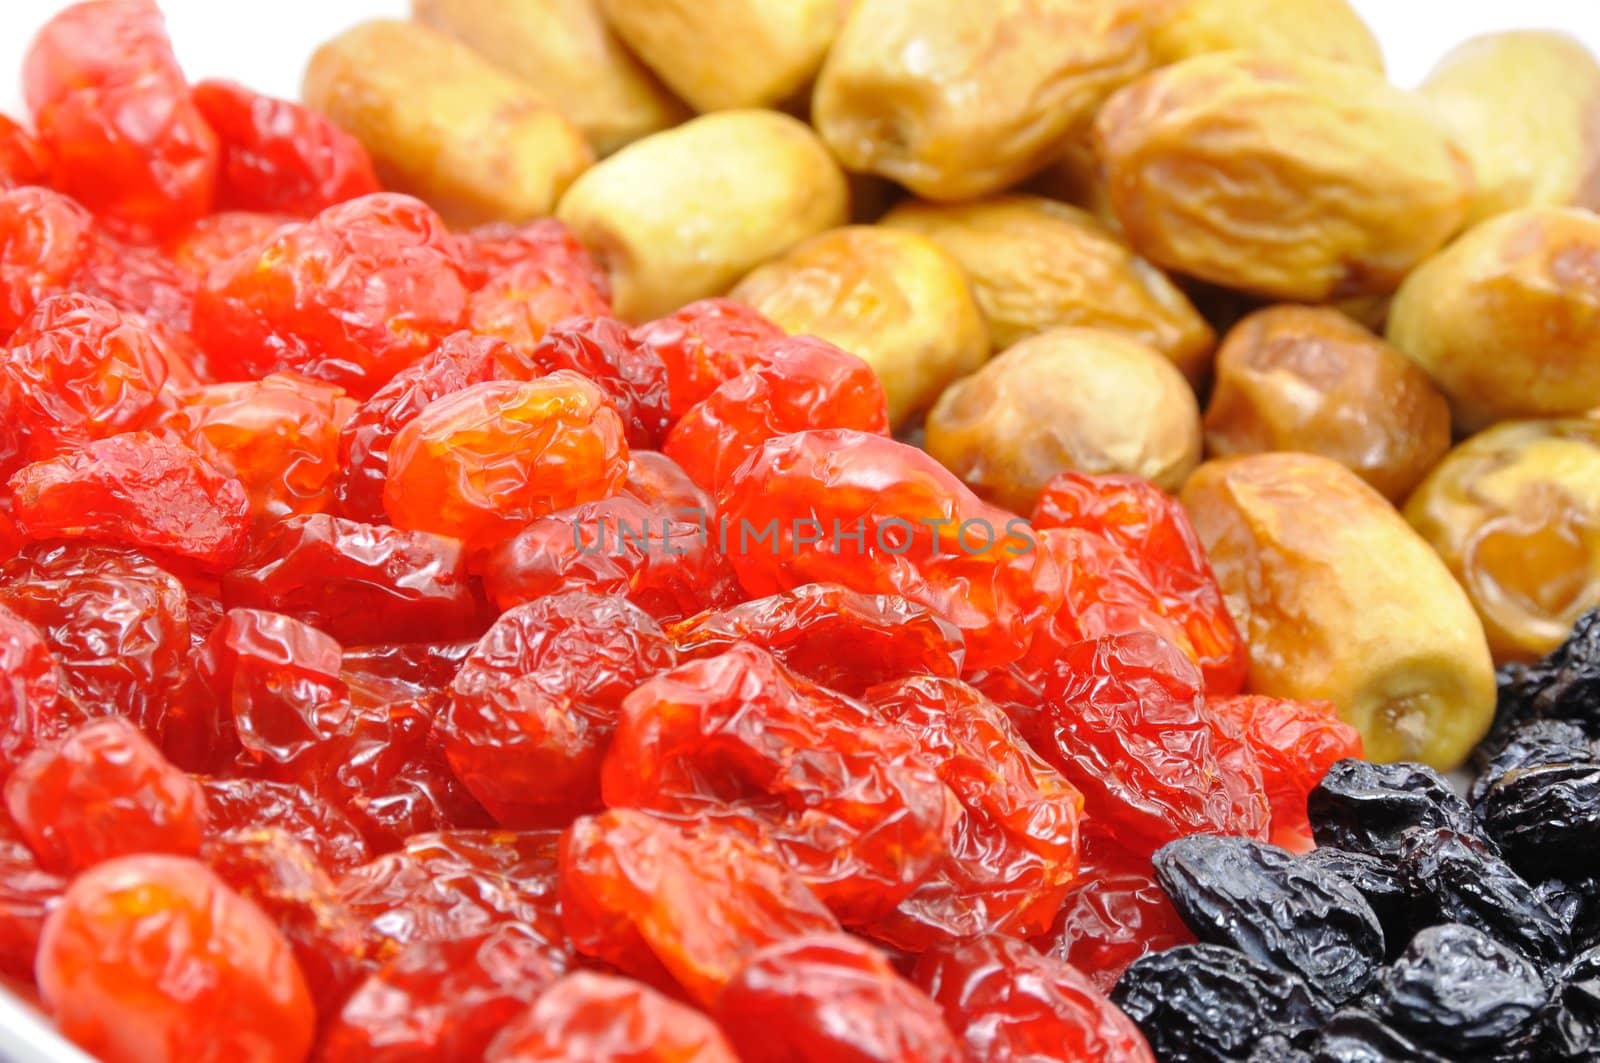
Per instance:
x=265, y=43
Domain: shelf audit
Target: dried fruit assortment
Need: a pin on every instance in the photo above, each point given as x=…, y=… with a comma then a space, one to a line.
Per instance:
x=1427, y=925
x=463, y=600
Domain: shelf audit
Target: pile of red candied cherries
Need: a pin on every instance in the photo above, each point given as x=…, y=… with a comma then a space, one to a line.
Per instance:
x=337, y=720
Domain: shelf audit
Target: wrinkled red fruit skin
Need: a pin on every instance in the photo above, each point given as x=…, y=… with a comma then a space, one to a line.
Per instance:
x=140, y=279
x=1124, y=720
x=269, y=867
x=277, y=155
x=481, y=463
x=385, y=770
x=147, y=951
x=281, y=686
x=114, y=116
x=28, y=893
x=488, y=249
x=836, y=637
x=533, y=708
x=104, y=791
x=279, y=436
x=31, y=710
x=738, y=739
x=1295, y=743
x=459, y=884
x=883, y=517
x=1114, y=913
x=78, y=369
x=628, y=372
x=118, y=625
x=1152, y=528
x=678, y=905
x=1103, y=592
x=617, y=546
x=704, y=344
x=218, y=237
x=830, y=998
x=242, y=804
x=277, y=682
x=802, y=382
x=461, y=360
x=441, y=1000
x=136, y=490
x=1009, y=1002
x=22, y=160
x=350, y=297
x=1013, y=848
x=45, y=239
x=586, y=1017
x=401, y=671
x=521, y=303
x=360, y=583
x=657, y=480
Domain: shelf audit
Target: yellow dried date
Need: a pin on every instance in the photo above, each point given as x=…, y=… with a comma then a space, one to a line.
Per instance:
x=1037, y=264
x=1526, y=108
x=566, y=53
x=445, y=124
x=956, y=98
x=1310, y=379
x=1506, y=320
x=893, y=298
x=1341, y=600
x=725, y=54
x=1515, y=513
x=1291, y=178
x=1070, y=398
x=681, y=215
x=1321, y=29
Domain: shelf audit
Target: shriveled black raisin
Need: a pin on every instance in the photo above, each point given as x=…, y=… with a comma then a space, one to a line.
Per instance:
x=1365, y=807
x=1207, y=1004
x=1355, y=1036
x=1463, y=994
x=1542, y=816
x=1458, y=878
x=1563, y=686
x=1260, y=900
x=1380, y=881
x=1568, y=900
x=1572, y=1023
x=1276, y=1048
x=1532, y=744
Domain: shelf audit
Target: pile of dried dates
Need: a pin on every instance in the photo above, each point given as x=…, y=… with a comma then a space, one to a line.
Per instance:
x=655, y=531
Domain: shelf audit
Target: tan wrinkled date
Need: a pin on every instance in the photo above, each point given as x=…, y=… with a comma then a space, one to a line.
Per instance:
x=1289, y=178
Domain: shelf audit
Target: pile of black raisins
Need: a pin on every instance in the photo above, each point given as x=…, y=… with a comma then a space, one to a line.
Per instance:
x=1424, y=926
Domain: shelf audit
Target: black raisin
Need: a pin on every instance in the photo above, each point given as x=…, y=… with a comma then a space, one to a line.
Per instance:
x=1380, y=881
x=1206, y=1003
x=1462, y=993
x=1534, y=744
x=1260, y=900
x=1355, y=1036
x=1568, y=900
x=1276, y=1048
x=1572, y=1024
x=1458, y=878
x=1563, y=686
x=1541, y=816
x=1366, y=807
